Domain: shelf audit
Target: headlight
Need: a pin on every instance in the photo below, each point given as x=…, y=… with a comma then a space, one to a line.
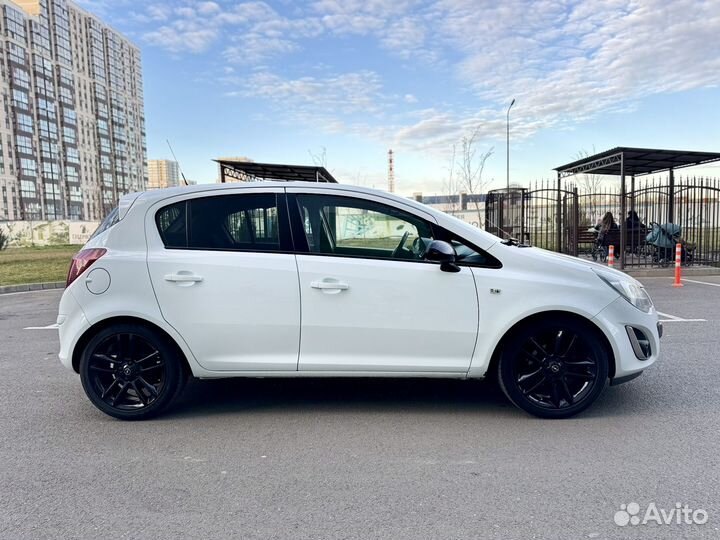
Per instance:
x=628, y=289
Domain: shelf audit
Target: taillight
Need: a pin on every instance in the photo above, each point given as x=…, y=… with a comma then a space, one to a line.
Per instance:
x=82, y=260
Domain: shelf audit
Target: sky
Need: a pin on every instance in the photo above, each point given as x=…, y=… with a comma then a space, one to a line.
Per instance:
x=288, y=82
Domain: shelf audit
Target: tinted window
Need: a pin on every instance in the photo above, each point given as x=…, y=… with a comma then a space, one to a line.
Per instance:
x=228, y=222
x=359, y=228
x=111, y=219
x=172, y=224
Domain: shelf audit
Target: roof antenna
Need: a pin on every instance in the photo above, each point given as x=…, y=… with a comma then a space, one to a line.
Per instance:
x=176, y=161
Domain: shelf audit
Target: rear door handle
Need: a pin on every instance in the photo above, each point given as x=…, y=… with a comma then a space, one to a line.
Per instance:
x=181, y=277
x=330, y=285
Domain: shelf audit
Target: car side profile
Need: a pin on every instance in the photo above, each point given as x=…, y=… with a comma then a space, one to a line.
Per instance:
x=300, y=279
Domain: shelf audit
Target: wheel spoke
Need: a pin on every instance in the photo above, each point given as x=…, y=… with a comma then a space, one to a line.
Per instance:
x=131, y=346
x=558, y=342
x=555, y=394
x=535, y=386
x=122, y=392
x=148, y=357
x=110, y=388
x=139, y=393
x=568, y=394
x=523, y=378
x=102, y=370
x=153, y=391
x=104, y=357
x=583, y=362
x=154, y=366
x=539, y=347
x=120, y=349
x=581, y=376
x=570, y=347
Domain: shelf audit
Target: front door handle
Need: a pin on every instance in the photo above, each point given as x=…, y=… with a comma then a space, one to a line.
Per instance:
x=183, y=277
x=330, y=285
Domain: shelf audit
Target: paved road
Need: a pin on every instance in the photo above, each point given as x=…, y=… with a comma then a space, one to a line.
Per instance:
x=358, y=459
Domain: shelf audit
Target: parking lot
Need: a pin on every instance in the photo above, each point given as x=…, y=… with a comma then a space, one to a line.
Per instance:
x=359, y=459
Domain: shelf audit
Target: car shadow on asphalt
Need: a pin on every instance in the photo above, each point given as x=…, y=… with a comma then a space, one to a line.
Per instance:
x=228, y=396
x=208, y=398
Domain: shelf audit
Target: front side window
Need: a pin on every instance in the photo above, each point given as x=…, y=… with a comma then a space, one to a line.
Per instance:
x=351, y=227
x=228, y=222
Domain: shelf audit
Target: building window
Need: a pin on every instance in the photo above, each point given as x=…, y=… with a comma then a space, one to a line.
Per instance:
x=24, y=122
x=24, y=144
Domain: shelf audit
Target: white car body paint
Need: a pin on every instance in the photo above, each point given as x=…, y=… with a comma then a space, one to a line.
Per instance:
x=394, y=318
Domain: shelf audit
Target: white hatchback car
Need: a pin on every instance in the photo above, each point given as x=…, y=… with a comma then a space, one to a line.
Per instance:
x=301, y=279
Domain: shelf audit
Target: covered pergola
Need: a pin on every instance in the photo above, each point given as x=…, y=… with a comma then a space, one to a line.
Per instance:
x=631, y=162
x=242, y=170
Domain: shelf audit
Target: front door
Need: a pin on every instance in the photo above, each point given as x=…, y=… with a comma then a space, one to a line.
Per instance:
x=223, y=282
x=370, y=303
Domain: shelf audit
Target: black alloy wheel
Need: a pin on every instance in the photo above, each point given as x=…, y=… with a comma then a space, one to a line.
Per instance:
x=130, y=372
x=554, y=369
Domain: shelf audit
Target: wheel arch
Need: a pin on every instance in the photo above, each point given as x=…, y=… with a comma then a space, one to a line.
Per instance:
x=126, y=319
x=588, y=323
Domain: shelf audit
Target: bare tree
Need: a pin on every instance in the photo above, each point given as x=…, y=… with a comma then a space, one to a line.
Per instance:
x=450, y=184
x=319, y=159
x=589, y=186
x=471, y=168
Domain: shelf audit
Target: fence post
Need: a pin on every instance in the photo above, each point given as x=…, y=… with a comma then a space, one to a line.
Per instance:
x=558, y=218
x=671, y=197
x=623, y=206
x=576, y=221
x=522, y=216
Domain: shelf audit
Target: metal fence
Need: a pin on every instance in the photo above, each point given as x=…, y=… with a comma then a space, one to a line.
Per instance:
x=562, y=217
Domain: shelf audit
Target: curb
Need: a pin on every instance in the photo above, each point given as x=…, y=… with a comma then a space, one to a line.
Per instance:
x=32, y=287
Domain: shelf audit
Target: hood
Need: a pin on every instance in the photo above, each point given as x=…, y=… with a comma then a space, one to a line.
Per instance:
x=543, y=260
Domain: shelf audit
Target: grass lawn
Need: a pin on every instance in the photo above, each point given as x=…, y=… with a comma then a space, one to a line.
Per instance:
x=35, y=264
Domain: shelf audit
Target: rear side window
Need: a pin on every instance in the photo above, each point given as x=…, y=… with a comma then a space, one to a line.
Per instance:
x=112, y=218
x=172, y=225
x=228, y=222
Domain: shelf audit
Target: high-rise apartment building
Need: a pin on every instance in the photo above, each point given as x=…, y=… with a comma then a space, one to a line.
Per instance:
x=72, y=124
x=163, y=174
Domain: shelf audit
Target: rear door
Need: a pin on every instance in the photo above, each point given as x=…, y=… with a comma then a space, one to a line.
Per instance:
x=370, y=303
x=225, y=278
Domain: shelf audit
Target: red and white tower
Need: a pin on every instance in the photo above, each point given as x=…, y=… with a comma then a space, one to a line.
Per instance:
x=391, y=172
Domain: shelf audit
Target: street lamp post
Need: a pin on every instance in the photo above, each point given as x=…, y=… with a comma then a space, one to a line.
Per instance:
x=508, y=145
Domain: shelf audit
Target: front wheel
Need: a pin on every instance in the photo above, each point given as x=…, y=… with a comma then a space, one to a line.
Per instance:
x=130, y=372
x=553, y=369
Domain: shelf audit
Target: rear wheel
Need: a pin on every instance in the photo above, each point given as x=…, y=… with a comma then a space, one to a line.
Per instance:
x=130, y=372
x=554, y=369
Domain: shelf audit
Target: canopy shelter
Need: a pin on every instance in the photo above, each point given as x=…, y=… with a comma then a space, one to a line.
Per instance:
x=624, y=161
x=241, y=170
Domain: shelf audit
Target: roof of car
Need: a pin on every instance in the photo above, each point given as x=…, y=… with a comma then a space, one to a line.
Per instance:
x=166, y=193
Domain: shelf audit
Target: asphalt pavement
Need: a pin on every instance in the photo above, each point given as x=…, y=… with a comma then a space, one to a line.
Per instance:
x=360, y=459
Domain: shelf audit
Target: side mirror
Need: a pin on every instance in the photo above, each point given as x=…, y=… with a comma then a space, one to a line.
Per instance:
x=444, y=253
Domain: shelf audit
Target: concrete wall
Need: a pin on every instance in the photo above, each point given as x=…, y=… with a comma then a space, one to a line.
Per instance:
x=48, y=233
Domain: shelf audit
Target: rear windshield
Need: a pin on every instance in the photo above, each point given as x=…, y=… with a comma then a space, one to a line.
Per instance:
x=111, y=219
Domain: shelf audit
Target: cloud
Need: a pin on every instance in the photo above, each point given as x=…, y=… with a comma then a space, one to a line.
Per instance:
x=344, y=94
x=565, y=61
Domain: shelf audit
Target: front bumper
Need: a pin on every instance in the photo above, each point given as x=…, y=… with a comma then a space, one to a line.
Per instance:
x=615, y=321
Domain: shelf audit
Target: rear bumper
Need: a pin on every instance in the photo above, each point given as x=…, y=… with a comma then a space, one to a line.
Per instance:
x=72, y=324
x=615, y=320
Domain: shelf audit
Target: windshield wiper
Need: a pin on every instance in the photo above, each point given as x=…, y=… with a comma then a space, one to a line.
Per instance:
x=513, y=242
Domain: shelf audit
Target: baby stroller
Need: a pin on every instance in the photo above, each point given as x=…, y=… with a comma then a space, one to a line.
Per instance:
x=663, y=239
x=601, y=247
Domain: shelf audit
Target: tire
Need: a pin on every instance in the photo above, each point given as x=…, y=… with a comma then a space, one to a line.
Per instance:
x=131, y=372
x=553, y=368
